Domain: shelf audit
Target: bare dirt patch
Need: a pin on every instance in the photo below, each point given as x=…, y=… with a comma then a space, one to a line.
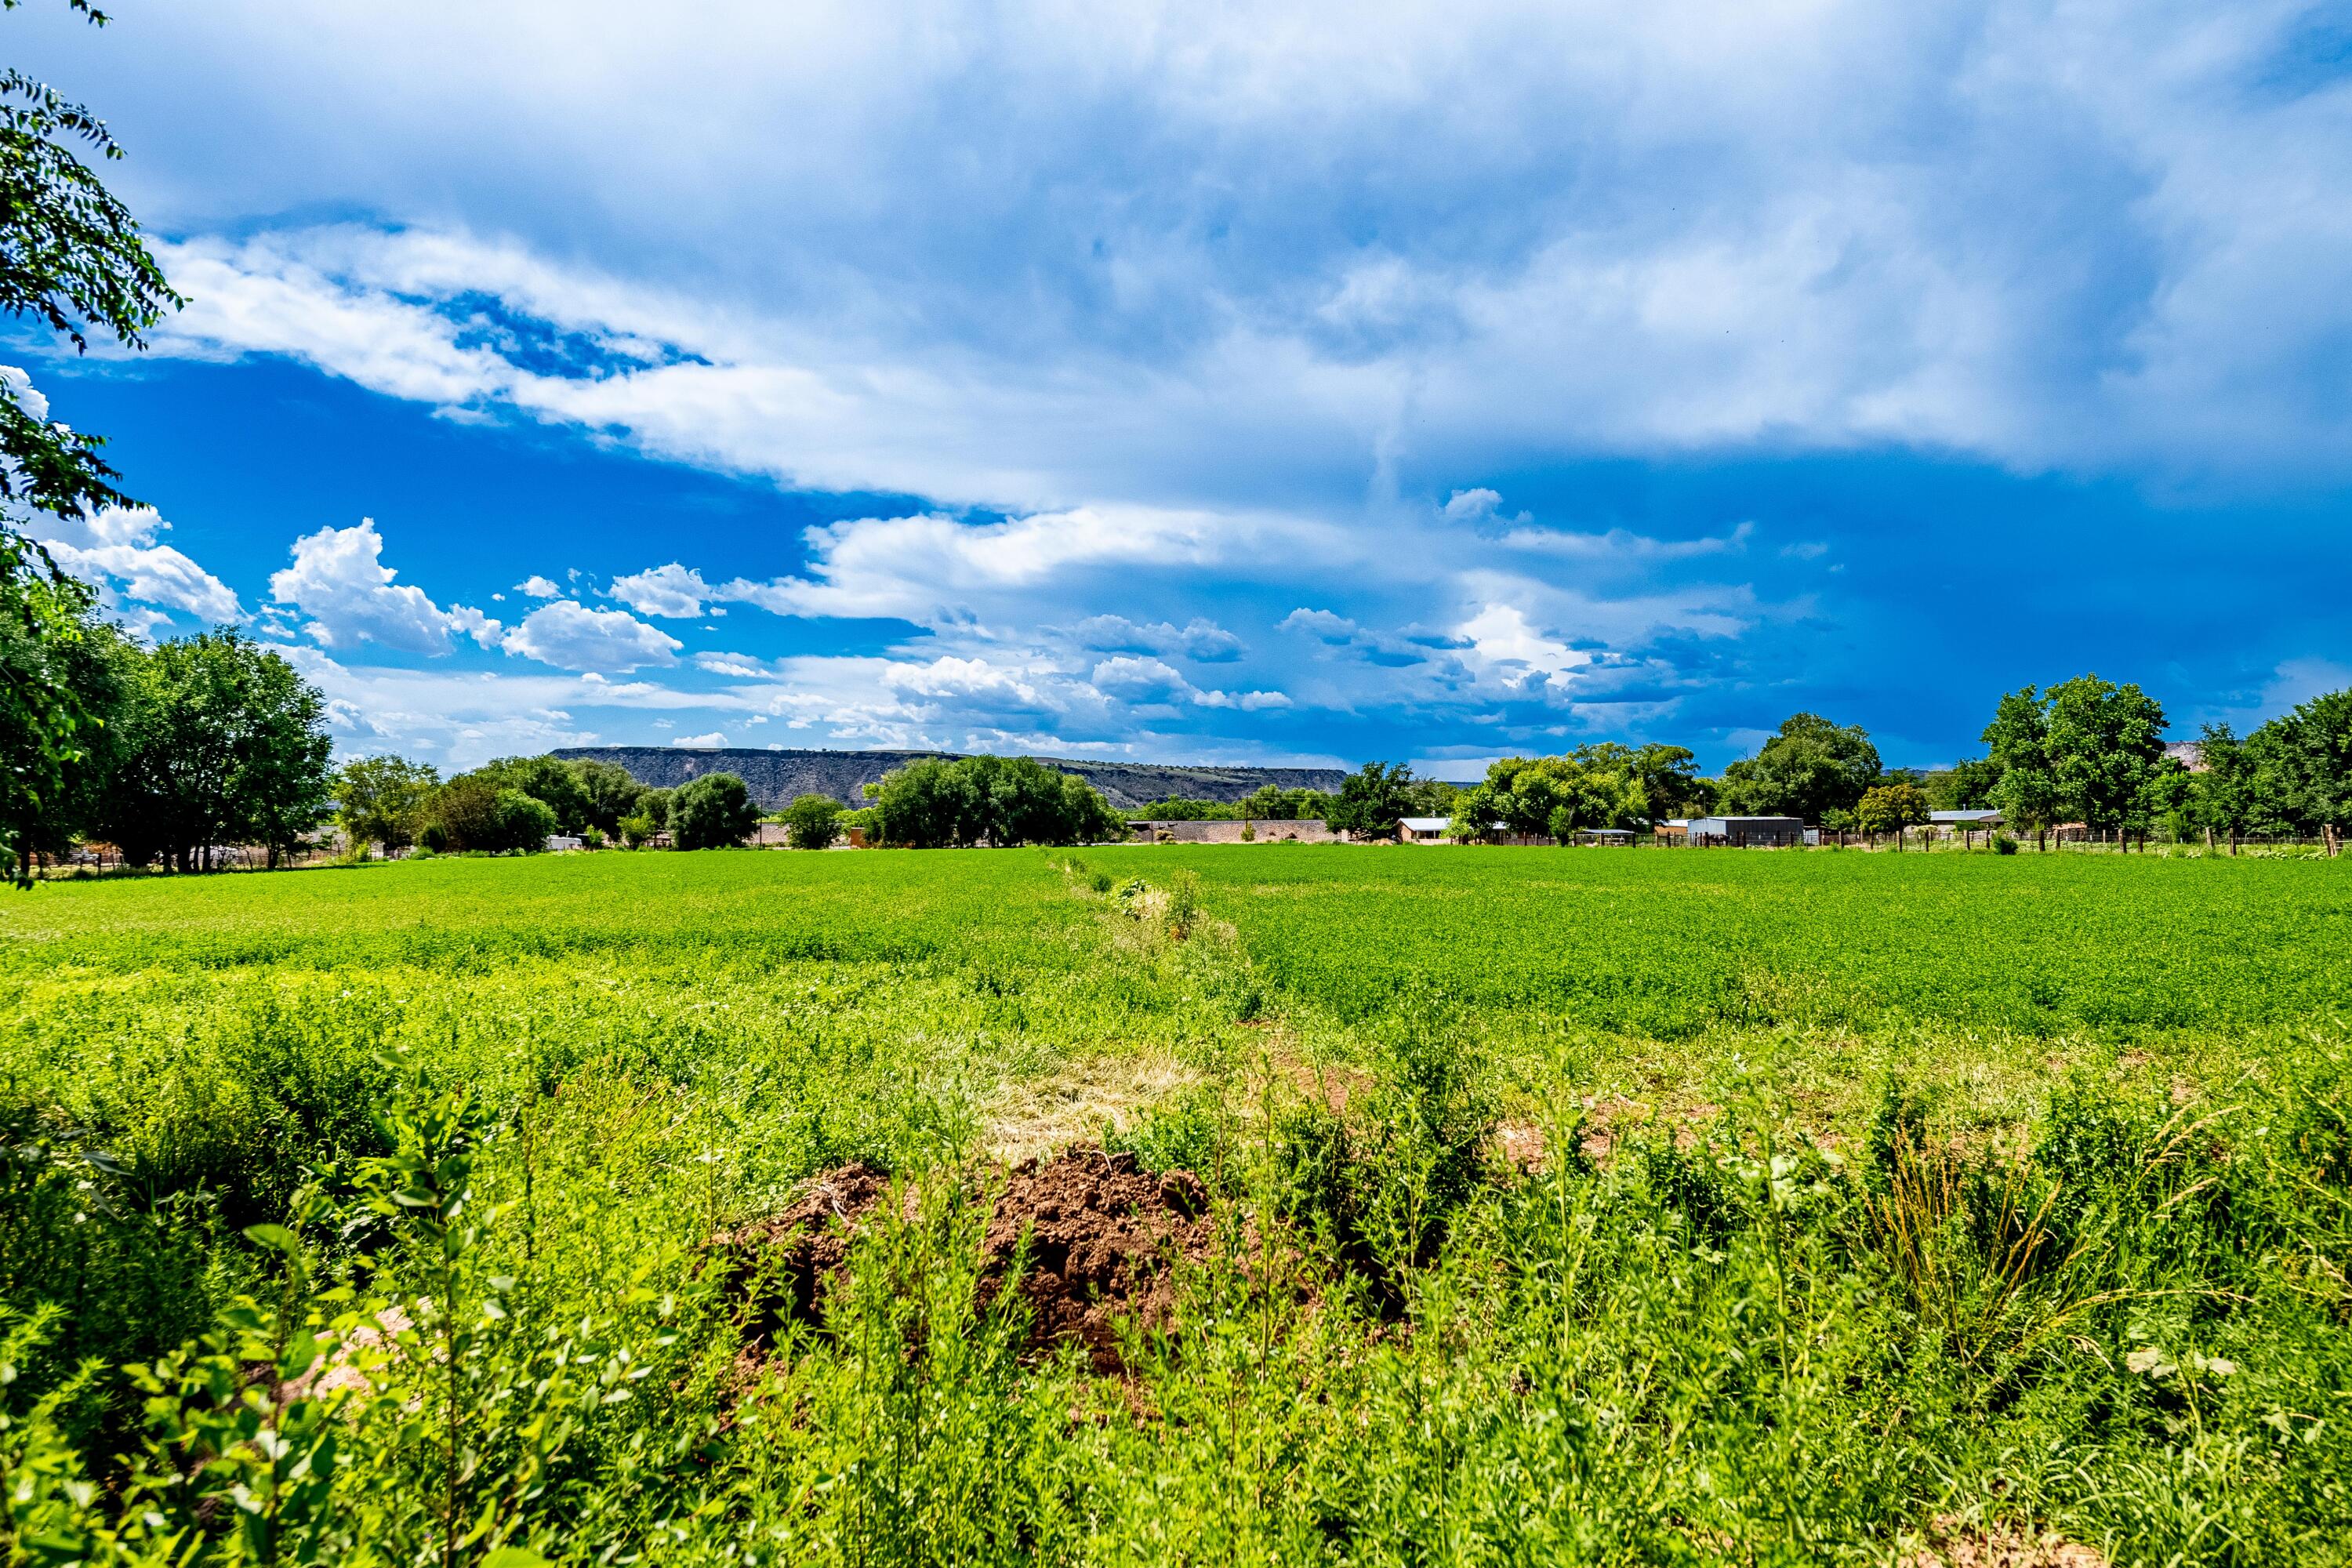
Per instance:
x=1998, y=1546
x=1105, y=1239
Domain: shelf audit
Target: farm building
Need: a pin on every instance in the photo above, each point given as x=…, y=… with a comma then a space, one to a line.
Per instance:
x=1980, y=817
x=1424, y=829
x=1747, y=832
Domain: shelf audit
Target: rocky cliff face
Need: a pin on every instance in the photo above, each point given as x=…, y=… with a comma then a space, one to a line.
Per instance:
x=775, y=777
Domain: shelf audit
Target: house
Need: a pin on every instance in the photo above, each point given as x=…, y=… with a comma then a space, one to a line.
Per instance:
x=1424, y=829
x=1747, y=832
x=1982, y=817
x=556, y=841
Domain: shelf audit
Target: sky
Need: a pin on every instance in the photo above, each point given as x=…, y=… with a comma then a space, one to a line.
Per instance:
x=1223, y=382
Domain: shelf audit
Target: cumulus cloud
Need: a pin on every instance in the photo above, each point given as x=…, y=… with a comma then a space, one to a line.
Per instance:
x=339, y=582
x=672, y=592
x=114, y=550
x=1444, y=244
x=538, y=588
x=570, y=636
x=711, y=742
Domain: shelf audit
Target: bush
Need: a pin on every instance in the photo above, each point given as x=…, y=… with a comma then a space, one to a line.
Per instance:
x=712, y=812
x=2003, y=844
x=473, y=814
x=812, y=822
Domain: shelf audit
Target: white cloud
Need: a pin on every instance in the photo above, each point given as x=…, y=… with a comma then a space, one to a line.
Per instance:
x=1199, y=638
x=114, y=548
x=671, y=591
x=1151, y=682
x=699, y=743
x=570, y=636
x=538, y=588
x=339, y=582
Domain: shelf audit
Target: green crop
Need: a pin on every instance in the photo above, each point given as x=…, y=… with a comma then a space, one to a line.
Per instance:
x=1571, y=1207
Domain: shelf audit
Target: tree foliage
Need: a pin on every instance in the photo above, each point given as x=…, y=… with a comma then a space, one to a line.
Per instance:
x=1603, y=785
x=222, y=743
x=1891, y=807
x=812, y=822
x=1000, y=801
x=1371, y=801
x=72, y=259
x=2084, y=750
x=1810, y=768
x=608, y=792
x=551, y=780
x=384, y=800
x=713, y=812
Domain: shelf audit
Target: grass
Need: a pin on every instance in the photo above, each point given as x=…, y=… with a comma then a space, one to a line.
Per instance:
x=1876, y=1202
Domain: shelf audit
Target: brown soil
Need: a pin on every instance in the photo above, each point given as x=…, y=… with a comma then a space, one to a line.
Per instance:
x=1998, y=1546
x=1104, y=1238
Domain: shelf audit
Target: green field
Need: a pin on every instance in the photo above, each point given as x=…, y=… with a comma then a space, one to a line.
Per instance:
x=1581, y=1206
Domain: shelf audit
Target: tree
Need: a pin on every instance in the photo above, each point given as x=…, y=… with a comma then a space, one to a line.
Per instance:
x=2304, y=764
x=1809, y=767
x=1964, y=787
x=2222, y=796
x=653, y=806
x=926, y=804
x=607, y=791
x=474, y=811
x=1670, y=782
x=282, y=788
x=2027, y=790
x=548, y=779
x=53, y=782
x=384, y=800
x=812, y=821
x=712, y=812
x=1372, y=801
x=1890, y=807
x=1593, y=786
x=1002, y=801
x=525, y=822
x=223, y=743
x=2106, y=745
x=71, y=259
x=637, y=830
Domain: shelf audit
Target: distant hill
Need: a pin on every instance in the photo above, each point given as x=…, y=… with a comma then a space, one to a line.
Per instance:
x=775, y=777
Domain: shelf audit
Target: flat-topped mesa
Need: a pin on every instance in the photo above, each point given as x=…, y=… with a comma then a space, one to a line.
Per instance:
x=775, y=778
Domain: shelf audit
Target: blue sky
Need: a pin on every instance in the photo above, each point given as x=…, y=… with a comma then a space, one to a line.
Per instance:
x=1196, y=382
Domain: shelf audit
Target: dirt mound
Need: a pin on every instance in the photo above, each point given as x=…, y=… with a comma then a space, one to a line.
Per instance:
x=1104, y=1238
x=785, y=1258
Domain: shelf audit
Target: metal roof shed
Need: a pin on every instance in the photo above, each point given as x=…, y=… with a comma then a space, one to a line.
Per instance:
x=1747, y=832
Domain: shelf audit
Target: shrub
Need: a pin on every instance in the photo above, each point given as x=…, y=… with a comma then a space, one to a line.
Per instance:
x=812, y=822
x=2003, y=844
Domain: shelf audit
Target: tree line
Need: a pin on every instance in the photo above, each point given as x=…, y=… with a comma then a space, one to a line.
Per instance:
x=180, y=749
x=517, y=803
x=2084, y=752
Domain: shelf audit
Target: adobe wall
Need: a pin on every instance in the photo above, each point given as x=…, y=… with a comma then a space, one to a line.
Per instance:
x=1308, y=832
